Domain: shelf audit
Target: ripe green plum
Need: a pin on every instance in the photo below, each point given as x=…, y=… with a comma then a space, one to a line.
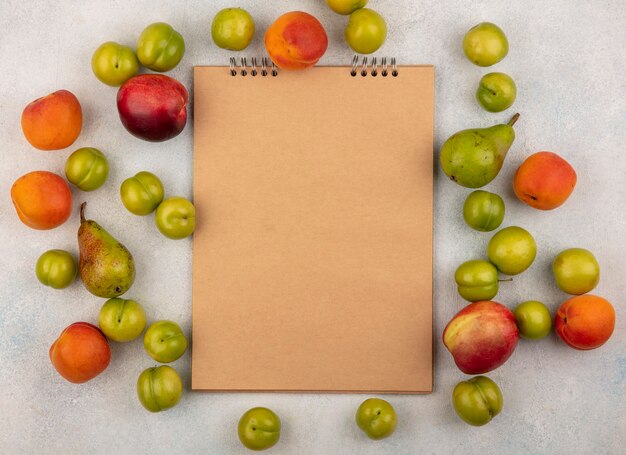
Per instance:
x=259, y=428
x=345, y=7
x=142, y=193
x=122, y=320
x=165, y=341
x=576, y=271
x=533, y=319
x=176, y=218
x=512, y=250
x=483, y=211
x=87, y=168
x=377, y=418
x=477, y=280
x=477, y=400
x=496, y=92
x=113, y=63
x=56, y=268
x=160, y=47
x=232, y=29
x=159, y=388
x=485, y=44
x=366, y=31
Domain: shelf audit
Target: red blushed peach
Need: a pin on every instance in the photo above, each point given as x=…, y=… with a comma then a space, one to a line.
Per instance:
x=296, y=40
x=544, y=181
x=80, y=353
x=42, y=199
x=481, y=337
x=53, y=122
x=585, y=321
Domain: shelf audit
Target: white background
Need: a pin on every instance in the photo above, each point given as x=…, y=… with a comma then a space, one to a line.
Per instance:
x=568, y=61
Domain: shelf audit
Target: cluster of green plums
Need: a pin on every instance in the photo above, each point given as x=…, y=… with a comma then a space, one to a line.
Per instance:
x=366, y=30
x=259, y=428
x=485, y=45
x=159, y=48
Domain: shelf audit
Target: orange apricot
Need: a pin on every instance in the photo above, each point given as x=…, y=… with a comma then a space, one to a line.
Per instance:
x=585, y=321
x=42, y=199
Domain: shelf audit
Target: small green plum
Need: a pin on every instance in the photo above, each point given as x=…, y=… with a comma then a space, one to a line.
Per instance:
x=165, y=341
x=122, y=320
x=259, y=428
x=142, y=193
x=377, y=418
x=160, y=47
x=512, y=250
x=576, y=271
x=496, y=92
x=176, y=218
x=159, y=388
x=533, y=319
x=87, y=168
x=485, y=44
x=477, y=280
x=366, y=31
x=483, y=211
x=345, y=7
x=477, y=400
x=114, y=64
x=232, y=29
x=56, y=268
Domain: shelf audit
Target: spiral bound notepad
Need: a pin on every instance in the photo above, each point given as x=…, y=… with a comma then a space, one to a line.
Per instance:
x=312, y=256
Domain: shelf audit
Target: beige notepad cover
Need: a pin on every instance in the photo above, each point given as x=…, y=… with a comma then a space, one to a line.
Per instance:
x=312, y=255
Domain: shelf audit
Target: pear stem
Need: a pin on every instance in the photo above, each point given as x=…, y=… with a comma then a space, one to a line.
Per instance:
x=513, y=119
x=82, y=211
x=507, y=279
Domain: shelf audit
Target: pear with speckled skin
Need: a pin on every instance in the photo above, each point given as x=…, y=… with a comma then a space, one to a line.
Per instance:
x=106, y=267
x=472, y=158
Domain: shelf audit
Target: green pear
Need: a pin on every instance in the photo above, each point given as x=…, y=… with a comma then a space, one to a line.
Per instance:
x=106, y=267
x=473, y=158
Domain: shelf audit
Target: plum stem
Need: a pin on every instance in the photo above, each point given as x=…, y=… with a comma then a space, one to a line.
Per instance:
x=513, y=119
x=506, y=279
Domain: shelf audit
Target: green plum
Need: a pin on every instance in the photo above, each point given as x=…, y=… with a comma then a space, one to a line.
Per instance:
x=477, y=400
x=533, y=319
x=114, y=64
x=366, y=31
x=159, y=388
x=232, y=29
x=259, y=428
x=477, y=280
x=485, y=44
x=56, y=268
x=164, y=341
x=142, y=193
x=121, y=320
x=176, y=218
x=483, y=211
x=345, y=7
x=576, y=271
x=496, y=92
x=377, y=418
x=512, y=250
x=87, y=168
x=160, y=47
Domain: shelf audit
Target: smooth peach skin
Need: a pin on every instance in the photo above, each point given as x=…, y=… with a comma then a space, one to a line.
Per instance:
x=80, y=353
x=296, y=41
x=585, y=321
x=53, y=122
x=481, y=337
x=544, y=181
x=42, y=199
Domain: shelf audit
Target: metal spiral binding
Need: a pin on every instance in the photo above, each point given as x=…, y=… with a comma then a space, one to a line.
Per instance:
x=384, y=71
x=267, y=68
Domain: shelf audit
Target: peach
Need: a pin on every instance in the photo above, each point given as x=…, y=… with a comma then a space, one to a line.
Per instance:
x=585, y=321
x=544, y=181
x=52, y=122
x=42, y=199
x=80, y=353
x=481, y=337
x=296, y=40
